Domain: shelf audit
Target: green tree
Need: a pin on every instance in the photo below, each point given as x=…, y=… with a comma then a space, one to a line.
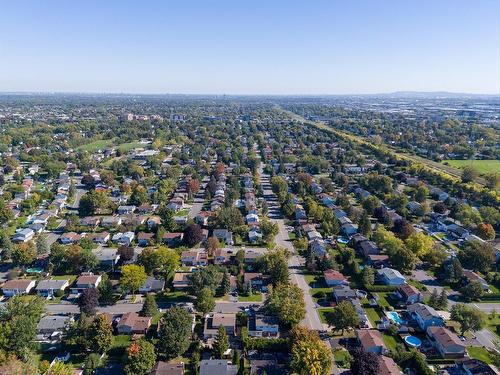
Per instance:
x=309, y=355
x=230, y=218
x=344, y=316
x=24, y=254
x=149, y=308
x=141, y=358
x=368, y=276
x=365, y=225
x=60, y=368
x=469, y=174
x=18, y=323
x=225, y=285
x=42, y=246
x=106, y=292
x=274, y=263
x=133, y=276
x=92, y=362
x=205, y=301
x=477, y=256
x=100, y=334
x=470, y=318
x=210, y=277
x=174, y=332
x=221, y=343
x=419, y=244
x=472, y=291
x=286, y=301
x=94, y=202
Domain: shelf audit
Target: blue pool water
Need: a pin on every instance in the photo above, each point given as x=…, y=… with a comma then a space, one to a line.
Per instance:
x=342, y=240
x=413, y=341
x=394, y=316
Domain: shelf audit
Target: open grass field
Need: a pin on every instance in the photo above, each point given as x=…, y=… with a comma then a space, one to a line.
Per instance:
x=96, y=145
x=256, y=297
x=483, y=166
x=479, y=353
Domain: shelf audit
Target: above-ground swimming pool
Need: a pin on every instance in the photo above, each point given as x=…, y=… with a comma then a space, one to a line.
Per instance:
x=413, y=341
x=342, y=240
x=394, y=317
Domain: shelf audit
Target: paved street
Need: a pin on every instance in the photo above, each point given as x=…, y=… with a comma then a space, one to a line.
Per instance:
x=197, y=205
x=311, y=320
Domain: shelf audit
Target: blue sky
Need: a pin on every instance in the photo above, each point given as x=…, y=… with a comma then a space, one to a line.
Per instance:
x=250, y=47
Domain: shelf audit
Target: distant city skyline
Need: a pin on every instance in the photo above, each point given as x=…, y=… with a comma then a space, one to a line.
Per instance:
x=250, y=48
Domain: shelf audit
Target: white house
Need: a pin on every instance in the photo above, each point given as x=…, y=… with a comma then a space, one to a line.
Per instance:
x=391, y=276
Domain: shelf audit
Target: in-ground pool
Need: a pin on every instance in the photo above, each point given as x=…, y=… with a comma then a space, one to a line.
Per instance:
x=413, y=341
x=394, y=317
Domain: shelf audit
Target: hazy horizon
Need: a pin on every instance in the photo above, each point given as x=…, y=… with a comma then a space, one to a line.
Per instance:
x=259, y=48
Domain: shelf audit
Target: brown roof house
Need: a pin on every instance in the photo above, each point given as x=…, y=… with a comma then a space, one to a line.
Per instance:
x=165, y=368
x=16, y=287
x=132, y=323
x=213, y=321
x=387, y=366
x=446, y=342
x=371, y=341
x=409, y=294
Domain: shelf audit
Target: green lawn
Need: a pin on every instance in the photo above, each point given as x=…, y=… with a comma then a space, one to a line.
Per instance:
x=126, y=147
x=372, y=315
x=492, y=323
x=342, y=358
x=178, y=296
x=483, y=166
x=256, y=297
x=324, y=313
x=390, y=341
x=479, y=353
x=100, y=144
x=120, y=343
x=315, y=293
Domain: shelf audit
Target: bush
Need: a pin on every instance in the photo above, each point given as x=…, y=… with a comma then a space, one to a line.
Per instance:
x=381, y=288
x=59, y=293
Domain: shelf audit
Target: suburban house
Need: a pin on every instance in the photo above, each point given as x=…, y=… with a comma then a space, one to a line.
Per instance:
x=253, y=255
x=23, y=235
x=125, y=210
x=197, y=257
x=144, y=239
x=371, y=341
x=16, y=287
x=468, y=276
x=181, y=280
x=86, y=280
x=391, y=276
x=475, y=367
x=47, y=288
x=70, y=238
x=152, y=284
x=217, y=367
x=343, y=293
x=132, y=323
x=263, y=326
x=100, y=238
x=165, y=368
x=333, y=277
x=215, y=320
x=107, y=256
x=425, y=316
x=153, y=222
x=173, y=239
x=387, y=366
x=409, y=294
x=124, y=239
x=446, y=342
x=254, y=279
x=360, y=311
x=223, y=256
x=52, y=324
x=224, y=235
